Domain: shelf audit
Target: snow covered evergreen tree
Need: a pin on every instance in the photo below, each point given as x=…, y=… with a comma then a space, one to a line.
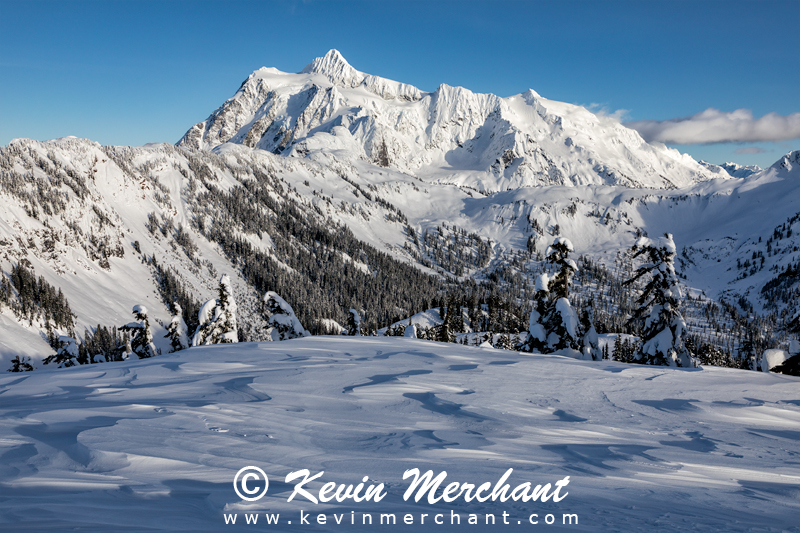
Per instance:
x=658, y=311
x=410, y=331
x=225, y=330
x=67, y=354
x=504, y=342
x=395, y=331
x=280, y=316
x=354, y=323
x=537, y=336
x=217, y=317
x=591, y=343
x=177, y=331
x=557, y=255
x=560, y=319
x=141, y=341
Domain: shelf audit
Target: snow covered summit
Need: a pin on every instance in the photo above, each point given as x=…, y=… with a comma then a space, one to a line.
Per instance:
x=450, y=135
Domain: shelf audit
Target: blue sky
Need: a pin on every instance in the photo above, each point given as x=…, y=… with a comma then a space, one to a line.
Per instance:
x=132, y=72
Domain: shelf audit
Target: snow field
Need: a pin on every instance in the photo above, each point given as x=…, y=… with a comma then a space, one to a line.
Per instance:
x=154, y=444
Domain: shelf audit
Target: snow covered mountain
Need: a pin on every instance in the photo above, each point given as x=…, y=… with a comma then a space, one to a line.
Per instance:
x=733, y=169
x=333, y=221
x=450, y=135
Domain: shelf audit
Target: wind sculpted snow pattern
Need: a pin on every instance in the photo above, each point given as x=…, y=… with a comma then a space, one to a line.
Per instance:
x=153, y=445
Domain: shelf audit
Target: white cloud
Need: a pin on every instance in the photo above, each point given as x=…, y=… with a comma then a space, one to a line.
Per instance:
x=749, y=150
x=714, y=126
x=604, y=111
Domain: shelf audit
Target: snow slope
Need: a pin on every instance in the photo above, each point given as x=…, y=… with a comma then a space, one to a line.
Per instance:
x=450, y=135
x=717, y=223
x=154, y=445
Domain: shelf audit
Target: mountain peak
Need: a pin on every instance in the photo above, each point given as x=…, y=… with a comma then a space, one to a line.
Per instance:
x=336, y=68
x=789, y=161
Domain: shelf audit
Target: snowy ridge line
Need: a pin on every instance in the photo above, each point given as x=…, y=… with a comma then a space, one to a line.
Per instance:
x=478, y=141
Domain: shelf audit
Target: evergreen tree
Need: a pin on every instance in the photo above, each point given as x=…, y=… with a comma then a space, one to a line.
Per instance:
x=658, y=311
x=712, y=355
x=21, y=363
x=627, y=351
x=67, y=354
x=284, y=324
x=560, y=319
x=748, y=358
x=395, y=331
x=558, y=255
x=624, y=349
x=354, y=323
x=531, y=244
x=444, y=334
x=217, y=317
x=141, y=342
x=591, y=350
x=100, y=346
x=445, y=329
x=128, y=349
x=455, y=315
x=616, y=355
x=225, y=330
x=177, y=331
x=537, y=336
x=504, y=342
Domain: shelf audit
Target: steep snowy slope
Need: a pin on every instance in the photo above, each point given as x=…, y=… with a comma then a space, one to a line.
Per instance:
x=89, y=219
x=77, y=214
x=99, y=222
x=154, y=445
x=451, y=135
